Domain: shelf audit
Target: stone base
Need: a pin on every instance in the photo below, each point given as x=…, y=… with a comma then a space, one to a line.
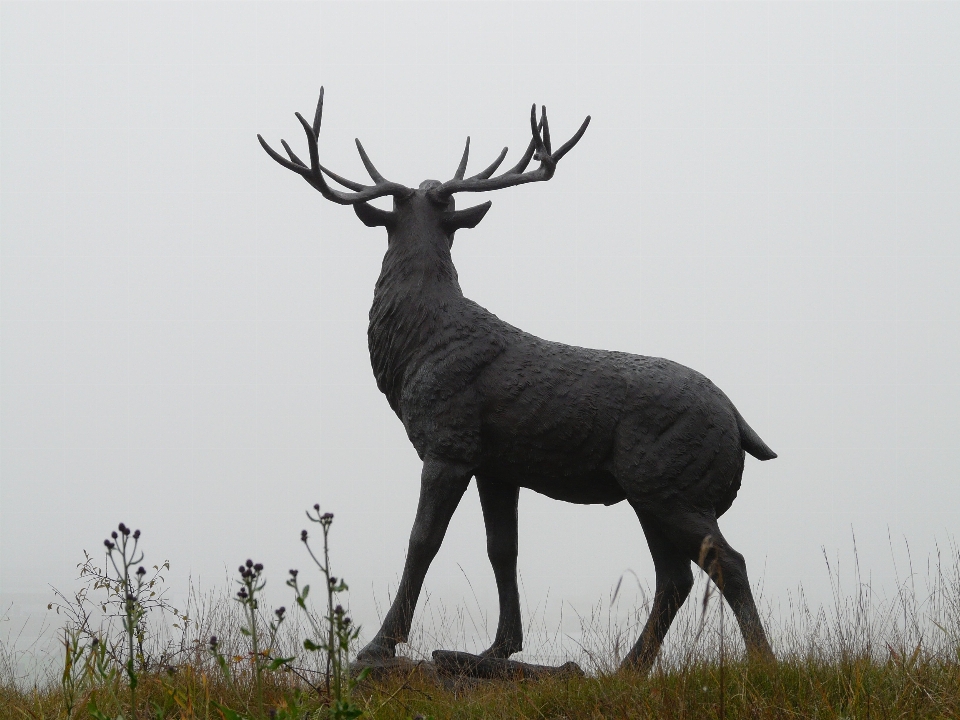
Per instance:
x=393, y=666
x=454, y=669
x=461, y=664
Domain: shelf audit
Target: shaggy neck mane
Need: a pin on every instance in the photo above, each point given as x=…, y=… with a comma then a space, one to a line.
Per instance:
x=417, y=286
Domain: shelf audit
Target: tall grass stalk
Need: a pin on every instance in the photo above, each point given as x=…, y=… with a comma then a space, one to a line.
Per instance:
x=862, y=655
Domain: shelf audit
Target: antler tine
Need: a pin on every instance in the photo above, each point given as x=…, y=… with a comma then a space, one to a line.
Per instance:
x=299, y=169
x=462, y=168
x=311, y=144
x=525, y=159
x=543, y=153
x=371, y=170
x=314, y=173
x=568, y=145
x=491, y=169
x=343, y=181
x=291, y=153
x=539, y=147
x=317, y=116
x=546, y=128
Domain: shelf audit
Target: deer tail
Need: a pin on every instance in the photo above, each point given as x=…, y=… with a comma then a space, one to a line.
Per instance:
x=751, y=442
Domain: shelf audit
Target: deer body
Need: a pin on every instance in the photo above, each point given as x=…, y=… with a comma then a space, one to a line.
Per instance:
x=534, y=413
x=481, y=398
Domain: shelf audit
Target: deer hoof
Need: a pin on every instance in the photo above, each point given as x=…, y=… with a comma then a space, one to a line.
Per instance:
x=376, y=651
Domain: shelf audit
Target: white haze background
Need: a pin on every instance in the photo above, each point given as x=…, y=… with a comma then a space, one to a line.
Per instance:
x=768, y=193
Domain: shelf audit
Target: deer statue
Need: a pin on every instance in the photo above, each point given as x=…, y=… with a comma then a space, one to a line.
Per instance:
x=482, y=399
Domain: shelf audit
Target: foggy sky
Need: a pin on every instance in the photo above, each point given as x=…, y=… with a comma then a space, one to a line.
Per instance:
x=768, y=193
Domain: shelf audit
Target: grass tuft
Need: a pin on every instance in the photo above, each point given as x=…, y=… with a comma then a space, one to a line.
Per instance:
x=227, y=658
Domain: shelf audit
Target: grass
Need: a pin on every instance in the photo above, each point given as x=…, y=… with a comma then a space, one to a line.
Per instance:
x=860, y=657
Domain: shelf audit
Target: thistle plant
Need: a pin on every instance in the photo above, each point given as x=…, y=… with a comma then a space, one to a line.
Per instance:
x=335, y=632
x=123, y=555
x=261, y=658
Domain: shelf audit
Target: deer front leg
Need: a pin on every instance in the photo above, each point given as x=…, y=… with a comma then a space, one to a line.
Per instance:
x=442, y=484
x=499, y=503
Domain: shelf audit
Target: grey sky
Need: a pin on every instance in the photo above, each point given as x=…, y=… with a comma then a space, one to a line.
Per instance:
x=768, y=193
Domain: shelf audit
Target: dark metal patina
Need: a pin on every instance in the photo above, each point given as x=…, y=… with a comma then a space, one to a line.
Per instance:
x=481, y=398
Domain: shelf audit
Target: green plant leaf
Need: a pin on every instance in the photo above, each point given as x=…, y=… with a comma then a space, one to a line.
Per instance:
x=95, y=711
x=226, y=712
x=310, y=645
x=279, y=663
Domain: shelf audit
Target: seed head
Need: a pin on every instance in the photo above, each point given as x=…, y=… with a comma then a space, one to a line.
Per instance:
x=303, y=536
x=108, y=544
x=294, y=573
x=249, y=562
x=136, y=534
x=141, y=571
x=114, y=534
x=258, y=567
x=316, y=507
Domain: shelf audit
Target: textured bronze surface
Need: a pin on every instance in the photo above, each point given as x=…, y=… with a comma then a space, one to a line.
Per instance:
x=481, y=398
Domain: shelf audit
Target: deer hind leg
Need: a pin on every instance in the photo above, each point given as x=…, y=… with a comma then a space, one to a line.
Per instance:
x=674, y=582
x=699, y=536
x=442, y=484
x=499, y=504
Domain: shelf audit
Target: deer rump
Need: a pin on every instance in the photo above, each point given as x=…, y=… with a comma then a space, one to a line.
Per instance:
x=575, y=424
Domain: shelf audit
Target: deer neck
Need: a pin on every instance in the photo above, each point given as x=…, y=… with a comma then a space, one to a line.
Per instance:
x=413, y=300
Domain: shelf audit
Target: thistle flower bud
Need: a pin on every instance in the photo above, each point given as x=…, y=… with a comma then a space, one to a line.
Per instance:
x=258, y=567
x=114, y=534
x=122, y=528
x=241, y=569
x=303, y=536
x=294, y=573
x=136, y=534
x=141, y=571
x=249, y=562
x=316, y=507
x=109, y=545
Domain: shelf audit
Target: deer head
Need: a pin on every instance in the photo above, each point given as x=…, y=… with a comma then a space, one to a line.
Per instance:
x=428, y=210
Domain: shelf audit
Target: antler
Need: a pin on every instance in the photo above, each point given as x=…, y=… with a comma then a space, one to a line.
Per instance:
x=539, y=148
x=315, y=172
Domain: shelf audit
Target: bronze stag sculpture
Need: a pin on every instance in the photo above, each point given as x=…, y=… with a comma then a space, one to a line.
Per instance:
x=481, y=398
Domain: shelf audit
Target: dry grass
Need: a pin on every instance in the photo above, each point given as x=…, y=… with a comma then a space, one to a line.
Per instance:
x=913, y=687
x=862, y=656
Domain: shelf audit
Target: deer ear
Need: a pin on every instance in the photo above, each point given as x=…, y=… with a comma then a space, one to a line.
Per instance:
x=453, y=220
x=373, y=216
